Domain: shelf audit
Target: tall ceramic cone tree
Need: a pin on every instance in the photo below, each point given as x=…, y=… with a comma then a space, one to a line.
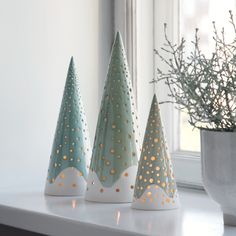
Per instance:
x=71, y=147
x=155, y=186
x=116, y=147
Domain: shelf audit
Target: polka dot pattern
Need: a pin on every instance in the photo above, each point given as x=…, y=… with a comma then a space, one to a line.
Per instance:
x=71, y=146
x=116, y=145
x=155, y=167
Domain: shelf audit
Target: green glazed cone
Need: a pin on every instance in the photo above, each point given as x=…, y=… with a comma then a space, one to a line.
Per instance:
x=116, y=145
x=71, y=146
x=155, y=186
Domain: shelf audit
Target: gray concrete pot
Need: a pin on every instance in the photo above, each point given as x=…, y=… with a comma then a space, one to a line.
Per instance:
x=218, y=155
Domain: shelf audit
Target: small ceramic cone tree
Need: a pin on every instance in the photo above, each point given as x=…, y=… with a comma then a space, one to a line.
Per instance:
x=116, y=147
x=71, y=147
x=155, y=187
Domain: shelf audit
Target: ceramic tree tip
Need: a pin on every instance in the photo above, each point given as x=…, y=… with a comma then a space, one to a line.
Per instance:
x=118, y=38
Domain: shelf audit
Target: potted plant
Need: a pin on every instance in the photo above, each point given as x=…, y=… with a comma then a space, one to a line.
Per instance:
x=206, y=89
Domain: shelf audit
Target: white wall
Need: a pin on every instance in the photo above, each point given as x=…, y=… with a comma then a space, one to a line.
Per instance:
x=37, y=39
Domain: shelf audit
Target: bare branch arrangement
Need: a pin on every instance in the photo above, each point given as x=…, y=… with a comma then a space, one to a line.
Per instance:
x=204, y=87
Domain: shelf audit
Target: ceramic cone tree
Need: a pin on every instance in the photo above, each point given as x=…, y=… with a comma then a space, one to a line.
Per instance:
x=155, y=187
x=114, y=160
x=71, y=147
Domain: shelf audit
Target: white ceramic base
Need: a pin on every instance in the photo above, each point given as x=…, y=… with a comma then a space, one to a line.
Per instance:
x=155, y=198
x=121, y=192
x=68, y=183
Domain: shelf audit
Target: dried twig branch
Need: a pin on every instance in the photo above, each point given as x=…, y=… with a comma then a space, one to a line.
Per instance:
x=204, y=87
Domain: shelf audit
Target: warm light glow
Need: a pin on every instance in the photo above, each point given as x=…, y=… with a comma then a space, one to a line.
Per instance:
x=153, y=158
x=62, y=176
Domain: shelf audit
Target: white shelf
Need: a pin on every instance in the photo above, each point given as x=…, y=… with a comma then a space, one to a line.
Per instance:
x=29, y=209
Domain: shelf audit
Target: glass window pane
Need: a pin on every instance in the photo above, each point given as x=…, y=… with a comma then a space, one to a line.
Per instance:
x=200, y=14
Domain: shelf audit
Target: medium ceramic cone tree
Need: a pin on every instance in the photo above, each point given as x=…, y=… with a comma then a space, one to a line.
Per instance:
x=71, y=147
x=155, y=187
x=116, y=147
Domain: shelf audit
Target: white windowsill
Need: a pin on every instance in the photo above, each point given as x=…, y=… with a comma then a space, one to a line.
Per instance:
x=29, y=209
x=187, y=168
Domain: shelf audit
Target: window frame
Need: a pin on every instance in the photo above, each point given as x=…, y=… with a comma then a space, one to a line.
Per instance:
x=187, y=165
x=125, y=15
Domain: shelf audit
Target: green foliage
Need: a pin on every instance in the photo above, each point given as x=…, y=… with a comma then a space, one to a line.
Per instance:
x=204, y=87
